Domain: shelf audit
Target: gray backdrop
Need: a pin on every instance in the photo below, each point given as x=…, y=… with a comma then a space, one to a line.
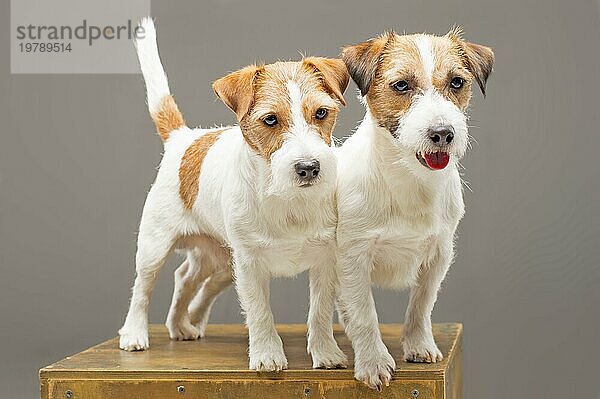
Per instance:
x=78, y=154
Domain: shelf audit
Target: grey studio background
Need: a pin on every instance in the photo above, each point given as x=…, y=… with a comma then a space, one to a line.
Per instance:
x=78, y=154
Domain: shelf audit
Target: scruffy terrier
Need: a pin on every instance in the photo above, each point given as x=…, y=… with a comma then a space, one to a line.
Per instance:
x=258, y=198
x=399, y=190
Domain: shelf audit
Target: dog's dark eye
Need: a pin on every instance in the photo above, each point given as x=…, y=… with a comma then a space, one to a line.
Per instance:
x=321, y=113
x=457, y=83
x=270, y=120
x=401, y=86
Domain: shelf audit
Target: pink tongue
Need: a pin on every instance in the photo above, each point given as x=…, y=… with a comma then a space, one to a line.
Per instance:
x=437, y=160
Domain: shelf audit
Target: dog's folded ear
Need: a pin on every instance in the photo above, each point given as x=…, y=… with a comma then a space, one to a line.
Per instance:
x=334, y=73
x=478, y=59
x=236, y=90
x=362, y=59
x=480, y=62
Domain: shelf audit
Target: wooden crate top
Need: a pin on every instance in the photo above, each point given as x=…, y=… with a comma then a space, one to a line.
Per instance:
x=222, y=354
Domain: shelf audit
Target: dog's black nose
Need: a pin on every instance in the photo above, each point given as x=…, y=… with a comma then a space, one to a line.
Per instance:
x=441, y=134
x=307, y=170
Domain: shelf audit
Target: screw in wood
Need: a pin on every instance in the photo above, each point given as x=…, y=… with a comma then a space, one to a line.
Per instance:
x=181, y=389
x=414, y=393
x=307, y=391
x=68, y=394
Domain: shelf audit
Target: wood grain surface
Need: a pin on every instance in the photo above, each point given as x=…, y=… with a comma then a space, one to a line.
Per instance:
x=217, y=367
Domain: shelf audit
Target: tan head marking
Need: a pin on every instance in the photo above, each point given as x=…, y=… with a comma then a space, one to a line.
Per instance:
x=256, y=94
x=362, y=60
x=236, y=90
x=423, y=62
x=478, y=59
x=333, y=72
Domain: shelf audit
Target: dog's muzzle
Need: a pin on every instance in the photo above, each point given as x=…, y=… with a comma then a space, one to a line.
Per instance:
x=440, y=136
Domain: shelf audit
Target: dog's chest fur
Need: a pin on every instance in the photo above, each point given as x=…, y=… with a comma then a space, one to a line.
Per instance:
x=402, y=216
x=292, y=237
x=406, y=233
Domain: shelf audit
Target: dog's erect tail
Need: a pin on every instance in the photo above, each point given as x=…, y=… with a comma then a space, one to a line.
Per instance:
x=162, y=106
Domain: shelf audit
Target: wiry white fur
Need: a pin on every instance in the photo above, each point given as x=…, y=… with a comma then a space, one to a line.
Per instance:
x=157, y=86
x=296, y=105
x=397, y=221
x=250, y=215
x=426, y=52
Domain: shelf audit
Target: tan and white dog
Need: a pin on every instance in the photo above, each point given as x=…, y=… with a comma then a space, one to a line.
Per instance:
x=259, y=197
x=399, y=189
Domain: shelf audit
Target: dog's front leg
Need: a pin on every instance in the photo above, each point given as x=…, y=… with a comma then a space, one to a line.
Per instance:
x=252, y=284
x=324, y=287
x=418, y=343
x=373, y=363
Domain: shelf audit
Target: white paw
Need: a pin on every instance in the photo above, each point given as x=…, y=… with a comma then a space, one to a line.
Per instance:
x=133, y=340
x=268, y=360
x=328, y=356
x=421, y=351
x=182, y=330
x=376, y=370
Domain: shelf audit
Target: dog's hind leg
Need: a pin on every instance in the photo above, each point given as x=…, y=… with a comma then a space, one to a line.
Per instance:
x=192, y=272
x=341, y=315
x=154, y=245
x=199, y=308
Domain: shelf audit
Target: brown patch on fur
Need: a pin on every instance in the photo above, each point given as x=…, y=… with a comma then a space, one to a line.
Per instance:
x=478, y=59
x=270, y=98
x=333, y=73
x=264, y=139
x=323, y=126
x=480, y=62
x=334, y=78
x=191, y=165
x=449, y=63
x=362, y=60
x=399, y=61
x=236, y=90
x=167, y=118
x=256, y=92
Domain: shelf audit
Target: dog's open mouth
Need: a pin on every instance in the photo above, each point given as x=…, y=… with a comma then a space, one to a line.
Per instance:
x=434, y=160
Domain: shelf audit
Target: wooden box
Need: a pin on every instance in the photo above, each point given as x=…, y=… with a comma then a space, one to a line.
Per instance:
x=216, y=367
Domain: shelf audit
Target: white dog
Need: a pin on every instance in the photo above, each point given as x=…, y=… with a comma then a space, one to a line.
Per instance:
x=260, y=196
x=399, y=190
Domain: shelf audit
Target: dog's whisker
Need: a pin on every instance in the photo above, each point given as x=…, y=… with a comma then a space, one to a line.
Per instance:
x=467, y=185
x=473, y=139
